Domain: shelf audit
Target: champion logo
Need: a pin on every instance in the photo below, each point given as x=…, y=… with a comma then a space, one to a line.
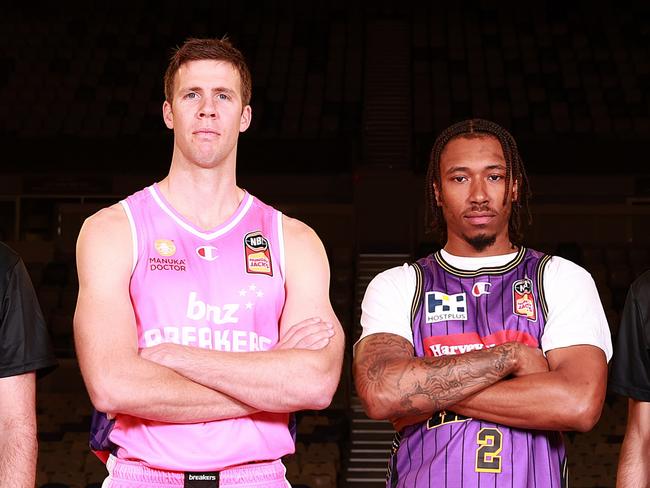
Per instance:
x=209, y=253
x=481, y=288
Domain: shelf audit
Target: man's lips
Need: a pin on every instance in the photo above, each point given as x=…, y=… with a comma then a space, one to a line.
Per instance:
x=479, y=218
x=206, y=132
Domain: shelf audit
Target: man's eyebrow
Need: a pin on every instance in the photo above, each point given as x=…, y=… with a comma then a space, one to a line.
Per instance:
x=460, y=168
x=218, y=89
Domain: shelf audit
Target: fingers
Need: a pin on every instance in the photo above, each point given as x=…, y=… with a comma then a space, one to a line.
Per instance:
x=307, y=335
x=532, y=361
x=291, y=331
x=315, y=341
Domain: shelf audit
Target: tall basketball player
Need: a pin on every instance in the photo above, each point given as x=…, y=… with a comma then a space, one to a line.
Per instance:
x=481, y=353
x=203, y=317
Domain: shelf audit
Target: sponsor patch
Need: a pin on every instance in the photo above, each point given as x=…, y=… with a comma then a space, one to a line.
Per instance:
x=454, y=344
x=208, y=253
x=481, y=288
x=165, y=247
x=258, y=254
x=201, y=480
x=167, y=264
x=441, y=306
x=523, y=300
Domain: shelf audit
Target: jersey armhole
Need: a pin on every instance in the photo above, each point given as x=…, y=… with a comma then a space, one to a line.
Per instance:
x=416, y=303
x=281, y=245
x=541, y=267
x=134, y=235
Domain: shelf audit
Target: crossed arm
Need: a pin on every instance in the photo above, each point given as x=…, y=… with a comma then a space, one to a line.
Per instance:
x=285, y=379
x=510, y=384
x=18, y=445
x=302, y=372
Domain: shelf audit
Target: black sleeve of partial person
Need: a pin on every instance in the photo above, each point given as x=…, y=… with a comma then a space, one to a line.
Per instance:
x=630, y=373
x=24, y=340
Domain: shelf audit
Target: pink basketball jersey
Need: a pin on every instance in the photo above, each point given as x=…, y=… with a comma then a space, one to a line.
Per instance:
x=221, y=290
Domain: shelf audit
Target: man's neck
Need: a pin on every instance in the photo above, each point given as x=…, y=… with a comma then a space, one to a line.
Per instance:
x=207, y=197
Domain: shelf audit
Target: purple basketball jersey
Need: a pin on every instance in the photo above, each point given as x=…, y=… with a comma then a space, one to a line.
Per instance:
x=457, y=311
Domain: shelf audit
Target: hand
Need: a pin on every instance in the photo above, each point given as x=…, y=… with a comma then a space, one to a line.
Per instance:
x=530, y=360
x=163, y=354
x=312, y=334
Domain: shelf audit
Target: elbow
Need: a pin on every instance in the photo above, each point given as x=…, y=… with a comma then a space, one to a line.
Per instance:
x=379, y=406
x=104, y=396
x=320, y=402
x=584, y=415
x=320, y=386
x=320, y=393
x=101, y=400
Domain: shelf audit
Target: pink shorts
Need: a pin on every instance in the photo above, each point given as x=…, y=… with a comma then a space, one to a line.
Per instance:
x=131, y=474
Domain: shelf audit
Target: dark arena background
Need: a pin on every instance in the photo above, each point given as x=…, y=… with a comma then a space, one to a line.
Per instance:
x=347, y=99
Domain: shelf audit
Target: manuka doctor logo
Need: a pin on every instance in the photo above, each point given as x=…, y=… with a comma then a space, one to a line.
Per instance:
x=441, y=306
x=167, y=264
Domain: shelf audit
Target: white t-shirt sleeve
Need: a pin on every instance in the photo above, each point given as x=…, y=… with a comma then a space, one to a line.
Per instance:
x=575, y=314
x=386, y=305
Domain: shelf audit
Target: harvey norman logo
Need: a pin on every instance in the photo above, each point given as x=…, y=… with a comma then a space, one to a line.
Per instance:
x=441, y=306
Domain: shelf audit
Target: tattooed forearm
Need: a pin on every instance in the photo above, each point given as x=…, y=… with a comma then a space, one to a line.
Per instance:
x=393, y=383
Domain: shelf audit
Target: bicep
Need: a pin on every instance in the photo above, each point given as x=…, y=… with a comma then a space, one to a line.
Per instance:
x=387, y=301
x=568, y=359
x=575, y=313
x=307, y=283
x=104, y=321
x=582, y=368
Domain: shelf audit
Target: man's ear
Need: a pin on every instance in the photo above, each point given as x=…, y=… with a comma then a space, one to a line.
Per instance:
x=168, y=115
x=245, y=120
x=436, y=193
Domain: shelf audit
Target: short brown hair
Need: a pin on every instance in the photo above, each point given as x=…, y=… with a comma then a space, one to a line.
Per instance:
x=214, y=49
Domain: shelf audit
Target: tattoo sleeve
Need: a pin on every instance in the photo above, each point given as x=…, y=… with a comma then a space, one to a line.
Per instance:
x=392, y=383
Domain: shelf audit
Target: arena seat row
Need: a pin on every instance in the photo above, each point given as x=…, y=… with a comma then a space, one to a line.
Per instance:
x=543, y=71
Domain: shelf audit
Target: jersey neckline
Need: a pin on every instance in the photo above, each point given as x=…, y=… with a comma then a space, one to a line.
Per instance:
x=487, y=270
x=182, y=222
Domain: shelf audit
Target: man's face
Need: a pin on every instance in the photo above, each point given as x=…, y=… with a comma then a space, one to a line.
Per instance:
x=471, y=195
x=206, y=111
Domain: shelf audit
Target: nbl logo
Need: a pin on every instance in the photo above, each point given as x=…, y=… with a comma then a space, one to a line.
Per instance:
x=523, y=300
x=258, y=254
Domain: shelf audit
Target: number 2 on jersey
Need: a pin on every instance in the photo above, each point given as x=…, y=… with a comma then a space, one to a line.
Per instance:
x=489, y=446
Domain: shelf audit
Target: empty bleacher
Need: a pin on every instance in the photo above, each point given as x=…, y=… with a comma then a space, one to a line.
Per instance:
x=340, y=89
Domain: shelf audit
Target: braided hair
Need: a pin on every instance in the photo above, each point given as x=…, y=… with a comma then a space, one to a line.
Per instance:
x=515, y=172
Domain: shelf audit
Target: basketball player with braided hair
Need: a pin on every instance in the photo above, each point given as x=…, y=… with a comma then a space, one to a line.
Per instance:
x=483, y=352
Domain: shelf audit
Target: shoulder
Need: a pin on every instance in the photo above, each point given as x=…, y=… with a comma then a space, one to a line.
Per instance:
x=398, y=282
x=106, y=221
x=561, y=268
x=105, y=234
x=398, y=276
x=298, y=234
